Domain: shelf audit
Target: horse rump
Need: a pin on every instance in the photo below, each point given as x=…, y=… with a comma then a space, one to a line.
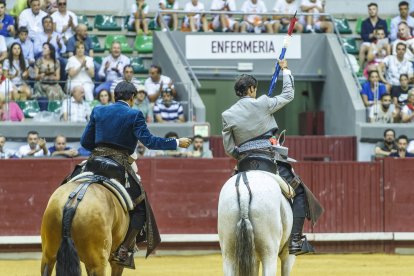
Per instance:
x=245, y=254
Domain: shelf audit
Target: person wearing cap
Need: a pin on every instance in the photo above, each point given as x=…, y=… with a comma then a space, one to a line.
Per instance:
x=166, y=110
x=113, y=132
x=248, y=126
x=128, y=76
x=142, y=103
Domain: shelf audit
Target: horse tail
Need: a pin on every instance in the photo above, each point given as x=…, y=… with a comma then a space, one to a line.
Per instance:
x=67, y=260
x=245, y=254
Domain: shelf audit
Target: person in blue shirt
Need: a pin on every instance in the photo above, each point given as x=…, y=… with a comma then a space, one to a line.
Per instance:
x=371, y=88
x=114, y=131
x=7, y=24
x=402, y=143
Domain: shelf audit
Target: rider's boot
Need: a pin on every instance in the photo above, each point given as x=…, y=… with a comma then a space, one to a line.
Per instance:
x=124, y=256
x=298, y=244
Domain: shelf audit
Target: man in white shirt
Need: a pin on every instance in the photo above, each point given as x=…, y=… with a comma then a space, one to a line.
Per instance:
x=75, y=109
x=404, y=36
x=64, y=21
x=384, y=112
x=4, y=152
x=286, y=7
x=224, y=21
x=35, y=147
x=157, y=82
x=253, y=22
x=170, y=19
x=128, y=76
x=315, y=22
x=193, y=19
x=32, y=19
x=403, y=7
x=48, y=35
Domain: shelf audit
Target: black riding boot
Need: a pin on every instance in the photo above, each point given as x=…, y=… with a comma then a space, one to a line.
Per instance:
x=298, y=244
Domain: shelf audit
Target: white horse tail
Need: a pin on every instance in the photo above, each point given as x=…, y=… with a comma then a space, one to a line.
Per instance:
x=245, y=254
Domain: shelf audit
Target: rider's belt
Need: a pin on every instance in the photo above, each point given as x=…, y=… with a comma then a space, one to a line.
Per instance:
x=254, y=162
x=255, y=144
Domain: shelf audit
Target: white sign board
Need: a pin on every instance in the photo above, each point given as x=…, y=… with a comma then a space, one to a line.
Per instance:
x=240, y=46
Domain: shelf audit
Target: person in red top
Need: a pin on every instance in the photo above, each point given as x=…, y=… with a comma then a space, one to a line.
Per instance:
x=10, y=111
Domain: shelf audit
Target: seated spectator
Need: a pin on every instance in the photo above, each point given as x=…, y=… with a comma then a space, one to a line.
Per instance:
x=47, y=74
x=410, y=147
x=167, y=110
x=404, y=36
x=31, y=18
x=60, y=149
x=16, y=69
x=368, y=27
x=407, y=112
x=7, y=89
x=112, y=67
x=157, y=82
x=281, y=21
x=253, y=22
x=179, y=152
x=138, y=18
x=404, y=16
x=80, y=69
x=400, y=93
x=75, y=109
x=315, y=22
x=198, y=149
x=3, y=49
x=384, y=112
x=128, y=76
x=10, y=111
x=372, y=90
x=377, y=51
x=168, y=20
x=393, y=66
x=7, y=24
x=51, y=37
x=27, y=45
x=65, y=21
x=224, y=21
x=5, y=153
x=194, y=20
x=104, y=97
x=402, y=143
x=142, y=103
x=388, y=146
x=81, y=35
x=36, y=147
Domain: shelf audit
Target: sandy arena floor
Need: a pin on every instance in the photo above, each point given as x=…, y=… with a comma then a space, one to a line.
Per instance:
x=318, y=265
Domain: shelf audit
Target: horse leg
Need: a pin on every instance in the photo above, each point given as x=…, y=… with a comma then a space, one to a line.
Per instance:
x=269, y=263
x=116, y=270
x=228, y=265
x=47, y=266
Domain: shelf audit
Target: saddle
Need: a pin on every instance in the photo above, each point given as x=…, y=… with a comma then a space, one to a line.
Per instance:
x=106, y=167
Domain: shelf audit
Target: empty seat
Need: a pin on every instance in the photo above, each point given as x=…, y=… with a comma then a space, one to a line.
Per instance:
x=350, y=45
x=106, y=23
x=342, y=26
x=96, y=44
x=83, y=19
x=30, y=108
x=54, y=106
x=125, y=48
x=138, y=65
x=358, y=26
x=143, y=44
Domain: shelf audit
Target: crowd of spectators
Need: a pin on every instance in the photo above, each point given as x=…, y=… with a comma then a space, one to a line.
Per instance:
x=391, y=146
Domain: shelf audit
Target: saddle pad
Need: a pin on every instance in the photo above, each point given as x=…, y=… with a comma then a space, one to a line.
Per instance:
x=287, y=190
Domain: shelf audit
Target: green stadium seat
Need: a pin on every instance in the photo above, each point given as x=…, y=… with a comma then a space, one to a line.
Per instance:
x=152, y=26
x=83, y=19
x=143, y=44
x=106, y=23
x=388, y=20
x=30, y=108
x=93, y=103
x=125, y=48
x=98, y=59
x=359, y=25
x=342, y=25
x=350, y=45
x=54, y=106
x=96, y=45
x=138, y=64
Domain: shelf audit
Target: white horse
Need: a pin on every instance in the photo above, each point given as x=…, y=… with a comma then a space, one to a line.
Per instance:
x=254, y=226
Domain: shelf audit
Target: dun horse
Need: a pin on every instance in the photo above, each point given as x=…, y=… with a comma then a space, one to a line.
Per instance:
x=98, y=227
x=254, y=225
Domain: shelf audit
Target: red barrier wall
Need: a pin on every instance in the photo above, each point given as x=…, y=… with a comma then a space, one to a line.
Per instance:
x=358, y=197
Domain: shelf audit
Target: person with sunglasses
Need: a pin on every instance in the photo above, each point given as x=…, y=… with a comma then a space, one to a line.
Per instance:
x=64, y=21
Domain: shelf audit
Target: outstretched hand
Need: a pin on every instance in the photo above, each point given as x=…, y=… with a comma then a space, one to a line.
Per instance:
x=184, y=142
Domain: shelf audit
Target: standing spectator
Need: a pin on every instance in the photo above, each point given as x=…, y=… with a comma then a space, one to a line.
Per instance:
x=387, y=146
x=377, y=51
x=167, y=110
x=65, y=21
x=16, y=68
x=4, y=152
x=128, y=77
x=404, y=16
x=49, y=36
x=75, y=109
x=10, y=111
x=31, y=18
x=156, y=82
x=400, y=93
x=170, y=19
x=404, y=36
x=47, y=74
x=104, y=98
x=138, y=18
x=198, y=149
x=142, y=103
x=252, y=22
x=112, y=67
x=8, y=89
x=60, y=149
x=7, y=24
x=367, y=31
x=402, y=143
x=80, y=70
x=285, y=7
x=407, y=112
x=372, y=90
x=194, y=20
x=224, y=21
x=384, y=112
x=315, y=22
x=80, y=36
x=36, y=147
x=27, y=45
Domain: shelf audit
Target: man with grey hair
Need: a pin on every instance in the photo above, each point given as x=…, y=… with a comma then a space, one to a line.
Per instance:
x=76, y=109
x=82, y=36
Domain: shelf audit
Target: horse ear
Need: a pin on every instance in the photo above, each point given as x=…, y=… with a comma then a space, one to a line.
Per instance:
x=282, y=137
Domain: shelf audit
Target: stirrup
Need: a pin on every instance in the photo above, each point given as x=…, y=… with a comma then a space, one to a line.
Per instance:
x=305, y=247
x=127, y=262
